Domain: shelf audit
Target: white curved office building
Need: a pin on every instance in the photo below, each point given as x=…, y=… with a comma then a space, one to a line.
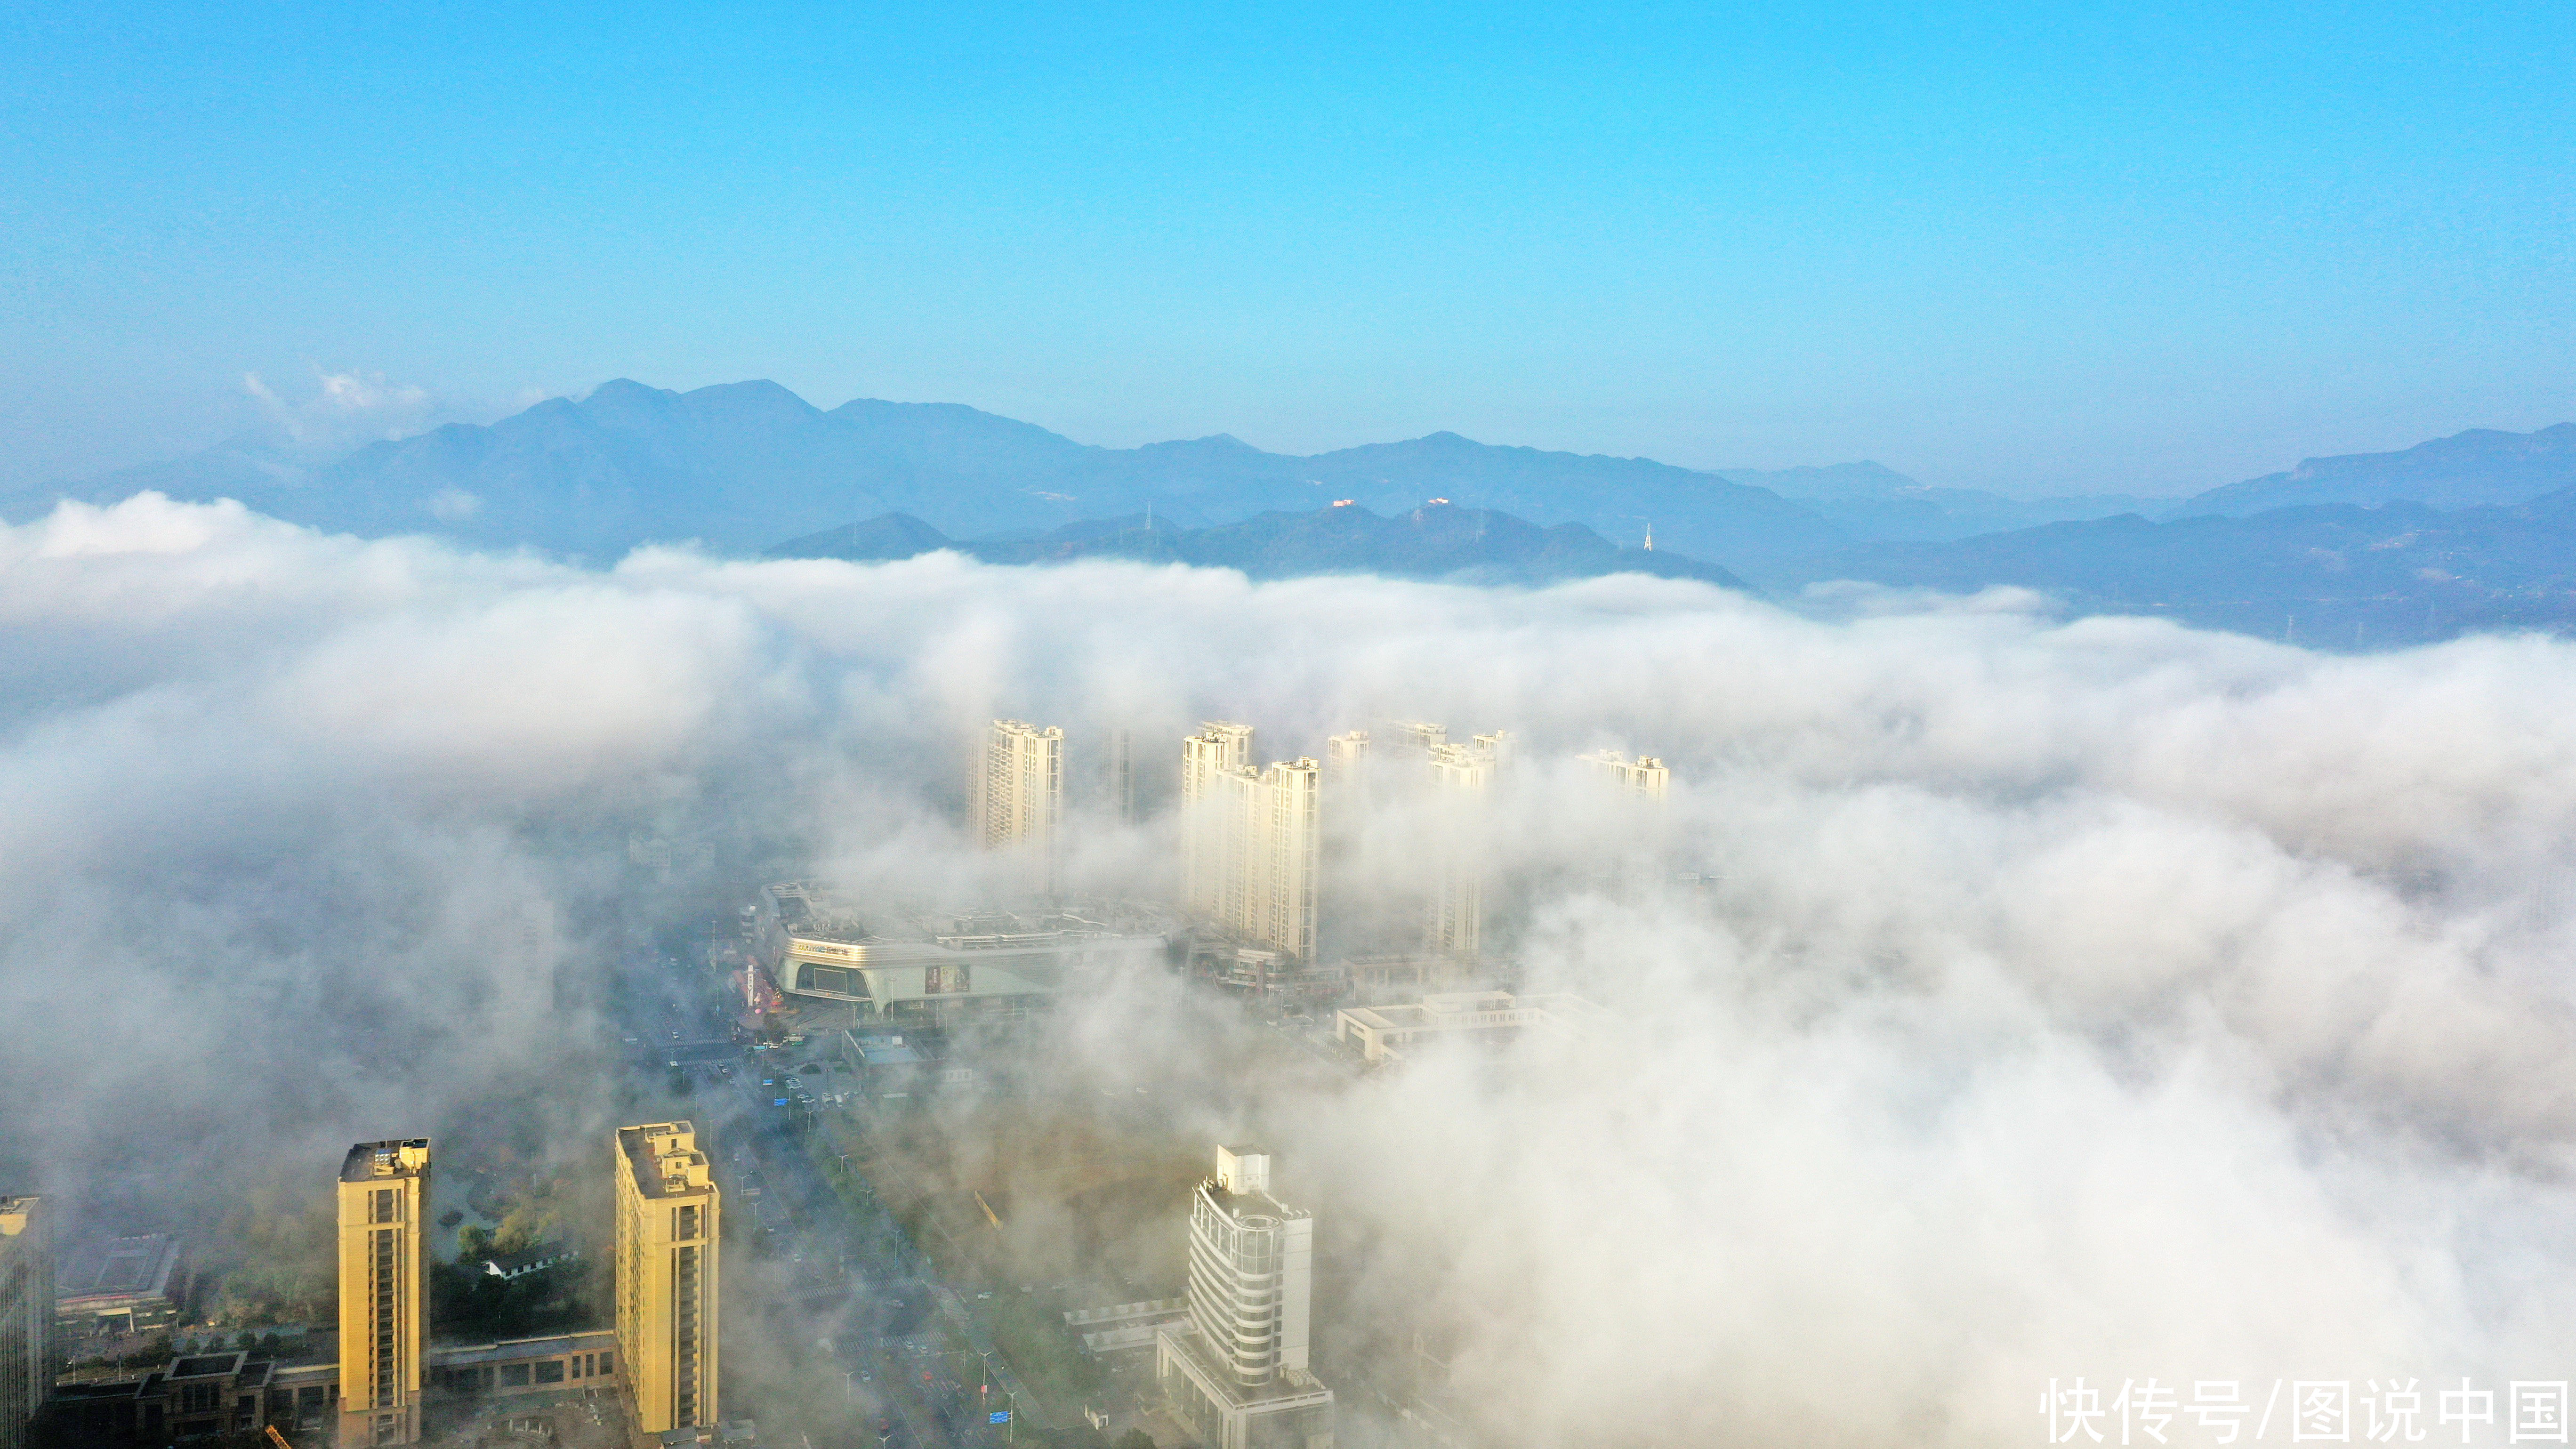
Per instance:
x=1236, y=1372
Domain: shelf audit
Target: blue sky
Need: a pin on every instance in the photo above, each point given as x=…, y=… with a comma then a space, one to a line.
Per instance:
x=2061, y=248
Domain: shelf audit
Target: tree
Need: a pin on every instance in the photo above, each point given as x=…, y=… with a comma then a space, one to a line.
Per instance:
x=1135, y=1439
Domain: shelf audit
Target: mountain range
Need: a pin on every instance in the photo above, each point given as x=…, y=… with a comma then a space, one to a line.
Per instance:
x=2339, y=575
x=2466, y=470
x=741, y=466
x=1435, y=541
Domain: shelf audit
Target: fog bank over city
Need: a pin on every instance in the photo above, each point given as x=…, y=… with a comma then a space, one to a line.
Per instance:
x=1999, y=1000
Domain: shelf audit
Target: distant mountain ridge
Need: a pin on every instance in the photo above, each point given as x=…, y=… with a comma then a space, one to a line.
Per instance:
x=739, y=465
x=1435, y=541
x=2339, y=575
x=2476, y=468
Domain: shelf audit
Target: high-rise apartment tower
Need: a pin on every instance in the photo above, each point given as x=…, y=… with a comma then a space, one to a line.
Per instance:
x=384, y=1290
x=1346, y=774
x=1019, y=794
x=1345, y=755
x=1236, y=1372
x=668, y=1221
x=1643, y=776
x=1252, y=839
x=1220, y=749
x=1122, y=775
x=26, y=1315
x=1460, y=777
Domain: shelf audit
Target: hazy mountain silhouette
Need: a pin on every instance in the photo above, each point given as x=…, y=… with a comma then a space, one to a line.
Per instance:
x=1435, y=541
x=1872, y=501
x=741, y=465
x=2480, y=466
x=2338, y=575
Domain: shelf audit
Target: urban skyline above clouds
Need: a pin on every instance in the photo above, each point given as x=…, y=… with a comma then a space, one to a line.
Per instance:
x=1381, y=727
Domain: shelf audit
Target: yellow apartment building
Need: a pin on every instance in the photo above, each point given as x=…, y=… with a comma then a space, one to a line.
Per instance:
x=668, y=1219
x=384, y=1291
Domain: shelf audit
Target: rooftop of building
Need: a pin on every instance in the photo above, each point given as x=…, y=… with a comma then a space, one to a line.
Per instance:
x=1462, y=1008
x=665, y=1159
x=811, y=911
x=1255, y=1204
x=400, y=1157
x=1240, y=1186
x=510, y=1350
x=112, y=1268
x=207, y=1365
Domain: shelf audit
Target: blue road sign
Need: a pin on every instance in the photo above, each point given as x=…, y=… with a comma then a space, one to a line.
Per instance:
x=998, y=1416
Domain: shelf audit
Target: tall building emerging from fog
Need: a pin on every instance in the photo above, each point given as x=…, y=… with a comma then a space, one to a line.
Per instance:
x=1019, y=794
x=26, y=1314
x=1412, y=739
x=1219, y=750
x=1460, y=777
x=1346, y=764
x=1252, y=839
x=1644, y=776
x=1236, y=1372
x=1347, y=751
x=668, y=1218
x=1121, y=773
x=384, y=1290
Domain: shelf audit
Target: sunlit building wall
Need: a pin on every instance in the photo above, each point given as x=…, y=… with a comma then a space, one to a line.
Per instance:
x=1461, y=775
x=1236, y=1372
x=384, y=1290
x=1252, y=842
x=1281, y=857
x=26, y=1315
x=1644, y=776
x=1346, y=771
x=1220, y=750
x=1019, y=794
x=668, y=1222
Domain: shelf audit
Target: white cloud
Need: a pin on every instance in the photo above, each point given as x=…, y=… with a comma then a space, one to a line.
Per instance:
x=453, y=505
x=2104, y=998
x=347, y=410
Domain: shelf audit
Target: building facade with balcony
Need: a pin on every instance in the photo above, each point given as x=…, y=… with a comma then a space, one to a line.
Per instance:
x=1236, y=1370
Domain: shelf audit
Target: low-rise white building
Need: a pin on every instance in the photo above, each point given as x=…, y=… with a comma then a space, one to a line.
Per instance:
x=926, y=967
x=1388, y=1033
